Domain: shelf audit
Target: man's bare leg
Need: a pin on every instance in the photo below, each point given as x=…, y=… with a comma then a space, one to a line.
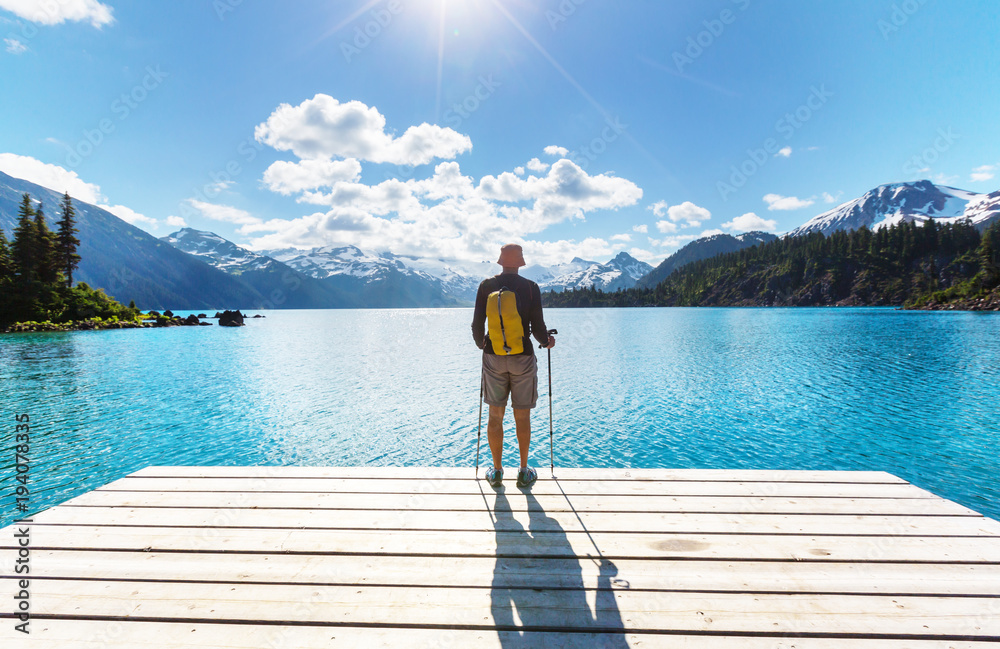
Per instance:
x=522, y=420
x=494, y=433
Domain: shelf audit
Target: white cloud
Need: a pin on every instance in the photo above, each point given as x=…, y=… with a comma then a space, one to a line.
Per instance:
x=53, y=12
x=688, y=213
x=659, y=208
x=642, y=229
x=944, y=179
x=554, y=150
x=129, y=215
x=673, y=242
x=566, y=192
x=51, y=176
x=323, y=128
x=685, y=215
x=778, y=202
x=446, y=215
x=785, y=152
x=750, y=222
x=537, y=165
x=450, y=216
x=224, y=213
x=290, y=177
x=710, y=233
x=176, y=222
x=621, y=237
x=983, y=174
x=645, y=255
x=15, y=46
x=830, y=198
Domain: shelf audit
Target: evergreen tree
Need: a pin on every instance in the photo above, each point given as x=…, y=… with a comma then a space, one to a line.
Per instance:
x=66, y=241
x=47, y=269
x=989, y=254
x=23, y=248
x=6, y=264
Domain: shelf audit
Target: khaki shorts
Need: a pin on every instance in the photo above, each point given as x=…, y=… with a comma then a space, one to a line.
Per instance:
x=516, y=376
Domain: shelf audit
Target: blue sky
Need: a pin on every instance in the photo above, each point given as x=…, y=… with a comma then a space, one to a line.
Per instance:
x=178, y=112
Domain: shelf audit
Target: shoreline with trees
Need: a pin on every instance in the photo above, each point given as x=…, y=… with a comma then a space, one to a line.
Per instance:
x=36, y=279
x=933, y=266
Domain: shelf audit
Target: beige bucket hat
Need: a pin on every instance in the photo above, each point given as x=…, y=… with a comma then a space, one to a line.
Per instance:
x=511, y=256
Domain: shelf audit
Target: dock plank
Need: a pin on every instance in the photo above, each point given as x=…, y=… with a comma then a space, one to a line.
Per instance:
x=550, y=503
x=485, y=520
x=578, y=544
x=691, y=575
x=542, y=609
x=101, y=634
x=544, y=487
x=464, y=473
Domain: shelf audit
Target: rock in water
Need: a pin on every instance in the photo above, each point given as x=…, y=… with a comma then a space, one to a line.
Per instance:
x=231, y=319
x=191, y=320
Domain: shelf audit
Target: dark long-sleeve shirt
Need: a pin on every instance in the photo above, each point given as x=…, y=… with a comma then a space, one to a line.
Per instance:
x=529, y=307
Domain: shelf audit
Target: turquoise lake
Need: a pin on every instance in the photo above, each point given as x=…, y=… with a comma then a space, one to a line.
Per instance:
x=912, y=393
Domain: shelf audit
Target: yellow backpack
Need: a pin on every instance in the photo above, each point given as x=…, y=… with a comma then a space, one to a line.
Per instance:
x=506, y=330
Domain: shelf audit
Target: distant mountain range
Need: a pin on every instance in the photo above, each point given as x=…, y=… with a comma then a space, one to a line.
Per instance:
x=621, y=272
x=717, y=244
x=193, y=269
x=385, y=279
x=906, y=202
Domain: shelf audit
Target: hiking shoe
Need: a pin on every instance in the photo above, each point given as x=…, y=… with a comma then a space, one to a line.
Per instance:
x=526, y=477
x=494, y=476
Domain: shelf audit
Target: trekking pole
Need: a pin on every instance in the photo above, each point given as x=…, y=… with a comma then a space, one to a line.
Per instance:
x=479, y=434
x=552, y=460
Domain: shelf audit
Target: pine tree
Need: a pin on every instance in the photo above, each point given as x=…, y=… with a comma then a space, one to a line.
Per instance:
x=990, y=255
x=66, y=241
x=23, y=247
x=6, y=264
x=47, y=269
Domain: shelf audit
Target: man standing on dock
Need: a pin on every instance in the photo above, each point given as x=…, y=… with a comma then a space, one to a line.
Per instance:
x=514, y=307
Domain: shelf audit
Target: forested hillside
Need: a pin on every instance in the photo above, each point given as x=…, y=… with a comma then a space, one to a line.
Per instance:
x=901, y=265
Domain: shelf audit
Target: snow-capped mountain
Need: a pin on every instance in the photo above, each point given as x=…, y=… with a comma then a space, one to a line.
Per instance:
x=621, y=272
x=542, y=275
x=906, y=202
x=332, y=260
x=457, y=279
x=717, y=244
x=213, y=249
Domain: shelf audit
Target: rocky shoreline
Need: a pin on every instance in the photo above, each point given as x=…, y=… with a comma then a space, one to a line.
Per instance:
x=990, y=302
x=150, y=320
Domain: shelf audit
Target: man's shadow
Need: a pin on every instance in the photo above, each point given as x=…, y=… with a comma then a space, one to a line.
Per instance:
x=538, y=584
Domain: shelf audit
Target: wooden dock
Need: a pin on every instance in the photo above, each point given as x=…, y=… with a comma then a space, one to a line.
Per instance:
x=403, y=557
